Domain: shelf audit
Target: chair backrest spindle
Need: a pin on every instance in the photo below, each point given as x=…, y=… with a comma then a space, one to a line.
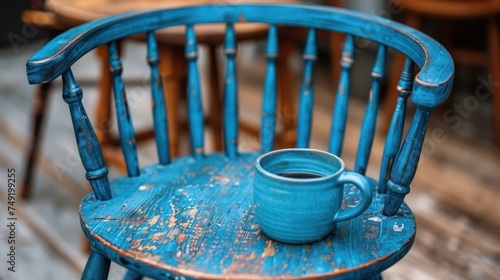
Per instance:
x=159, y=109
x=230, y=94
x=88, y=146
x=125, y=127
x=269, y=95
x=395, y=133
x=304, y=121
x=342, y=98
x=195, y=108
x=370, y=119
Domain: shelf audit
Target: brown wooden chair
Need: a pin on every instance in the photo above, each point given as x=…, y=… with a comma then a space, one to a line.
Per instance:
x=450, y=11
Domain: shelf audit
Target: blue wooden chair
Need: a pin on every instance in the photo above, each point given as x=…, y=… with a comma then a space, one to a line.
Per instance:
x=191, y=218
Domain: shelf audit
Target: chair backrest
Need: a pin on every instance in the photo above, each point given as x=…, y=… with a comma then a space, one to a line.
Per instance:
x=430, y=88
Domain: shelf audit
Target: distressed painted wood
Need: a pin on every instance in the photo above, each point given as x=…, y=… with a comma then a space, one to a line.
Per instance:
x=406, y=162
x=267, y=131
x=205, y=228
x=395, y=132
x=125, y=127
x=304, y=122
x=230, y=94
x=88, y=146
x=370, y=119
x=193, y=217
x=342, y=98
x=159, y=108
x=195, y=108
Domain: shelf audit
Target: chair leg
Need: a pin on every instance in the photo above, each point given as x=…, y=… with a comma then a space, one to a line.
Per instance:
x=38, y=114
x=97, y=267
x=494, y=50
x=130, y=275
x=214, y=114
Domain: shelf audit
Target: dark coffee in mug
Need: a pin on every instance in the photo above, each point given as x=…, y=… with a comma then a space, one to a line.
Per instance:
x=298, y=194
x=300, y=175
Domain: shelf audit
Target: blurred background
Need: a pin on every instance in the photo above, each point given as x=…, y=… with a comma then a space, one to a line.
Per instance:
x=455, y=195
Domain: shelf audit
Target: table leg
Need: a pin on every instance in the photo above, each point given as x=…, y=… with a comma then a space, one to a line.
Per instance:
x=38, y=114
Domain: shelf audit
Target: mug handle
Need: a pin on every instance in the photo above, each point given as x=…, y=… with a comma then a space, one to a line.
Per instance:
x=349, y=177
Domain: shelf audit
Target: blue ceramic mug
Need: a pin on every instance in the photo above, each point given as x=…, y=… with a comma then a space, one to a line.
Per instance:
x=298, y=194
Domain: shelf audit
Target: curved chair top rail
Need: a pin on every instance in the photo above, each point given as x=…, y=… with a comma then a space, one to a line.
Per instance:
x=432, y=85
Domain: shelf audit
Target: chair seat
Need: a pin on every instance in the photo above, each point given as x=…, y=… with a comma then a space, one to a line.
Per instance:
x=194, y=218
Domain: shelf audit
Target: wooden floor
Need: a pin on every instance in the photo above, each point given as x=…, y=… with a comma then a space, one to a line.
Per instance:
x=455, y=195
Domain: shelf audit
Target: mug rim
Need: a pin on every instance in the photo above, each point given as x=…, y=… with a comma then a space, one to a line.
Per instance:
x=290, y=179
